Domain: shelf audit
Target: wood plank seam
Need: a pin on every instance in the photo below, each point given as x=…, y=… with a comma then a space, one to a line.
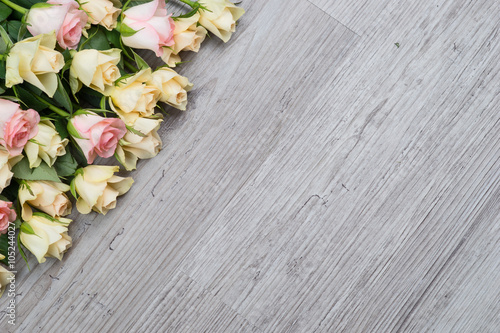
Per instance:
x=336, y=20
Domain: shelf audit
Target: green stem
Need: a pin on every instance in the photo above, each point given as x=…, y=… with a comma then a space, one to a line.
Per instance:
x=52, y=107
x=14, y=6
x=130, y=66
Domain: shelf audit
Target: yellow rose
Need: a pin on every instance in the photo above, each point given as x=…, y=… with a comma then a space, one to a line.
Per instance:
x=47, y=145
x=6, y=164
x=188, y=36
x=46, y=196
x=5, y=278
x=34, y=60
x=101, y=12
x=169, y=57
x=134, y=146
x=95, y=69
x=135, y=97
x=50, y=239
x=221, y=19
x=173, y=87
x=98, y=188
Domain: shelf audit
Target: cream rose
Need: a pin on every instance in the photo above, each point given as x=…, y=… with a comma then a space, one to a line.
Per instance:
x=5, y=278
x=34, y=60
x=50, y=239
x=173, y=87
x=135, y=97
x=95, y=69
x=170, y=58
x=98, y=188
x=47, y=145
x=101, y=12
x=47, y=196
x=136, y=146
x=221, y=17
x=188, y=36
x=6, y=163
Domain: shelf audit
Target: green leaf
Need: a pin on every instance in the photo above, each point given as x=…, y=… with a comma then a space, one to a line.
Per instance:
x=72, y=131
x=13, y=28
x=136, y=132
x=187, y=15
x=113, y=37
x=22, y=31
x=127, y=31
x=42, y=172
x=97, y=40
x=5, y=11
x=2, y=70
x=60, y=125
x=6, y=42
x=27, y=229
x=139, y=61
x=28, y=97
x=42, y=5
x=65, y=165
x=72, y=188
x=21, y=250
x=27, y=3
x=61, y=96
x=4, y=248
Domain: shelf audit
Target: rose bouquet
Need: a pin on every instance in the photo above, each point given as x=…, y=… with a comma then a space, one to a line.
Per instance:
x=73, y=88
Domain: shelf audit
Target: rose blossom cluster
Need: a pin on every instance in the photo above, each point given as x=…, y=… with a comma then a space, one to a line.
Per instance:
x=76, y=91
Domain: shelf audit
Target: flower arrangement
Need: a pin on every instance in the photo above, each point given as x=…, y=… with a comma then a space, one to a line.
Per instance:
x=73, y=88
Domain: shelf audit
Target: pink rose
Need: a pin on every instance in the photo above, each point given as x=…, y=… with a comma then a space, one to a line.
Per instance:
x=7, y=215
x=154, y=28
x=99, y=136
x=17, y=126
x=64, y=18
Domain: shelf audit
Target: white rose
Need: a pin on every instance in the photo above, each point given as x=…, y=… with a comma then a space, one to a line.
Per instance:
x=34, y=60
x=101, y=12
x=134, y=146
x=50, y=239
x=135, y=97
x=46, y=196
x=47, y=145
x=5, y=278
x=6, y=164
x=98, y=188
x=95, y=69
x=173, y=87
x=221, y=19
x=188, y=36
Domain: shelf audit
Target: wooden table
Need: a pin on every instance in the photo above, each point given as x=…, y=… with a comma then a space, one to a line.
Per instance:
x=338, y=170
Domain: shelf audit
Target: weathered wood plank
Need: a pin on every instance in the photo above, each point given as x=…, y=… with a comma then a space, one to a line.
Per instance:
x=359, y=212
x=186, y=307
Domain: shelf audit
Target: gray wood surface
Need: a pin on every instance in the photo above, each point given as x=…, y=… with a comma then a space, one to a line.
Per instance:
x=324, y=179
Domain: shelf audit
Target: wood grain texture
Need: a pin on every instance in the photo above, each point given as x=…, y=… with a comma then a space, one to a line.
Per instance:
x=323, y=180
